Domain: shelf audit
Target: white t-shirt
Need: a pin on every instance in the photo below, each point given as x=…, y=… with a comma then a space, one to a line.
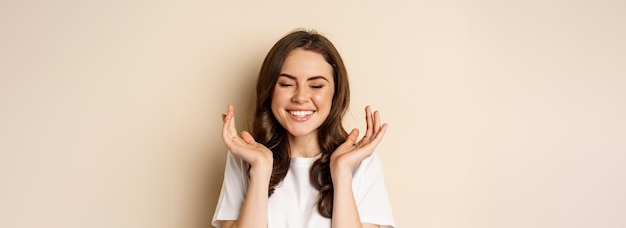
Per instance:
x=294, y=201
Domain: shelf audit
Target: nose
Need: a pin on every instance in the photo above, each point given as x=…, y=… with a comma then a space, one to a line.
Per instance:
x=301, y=95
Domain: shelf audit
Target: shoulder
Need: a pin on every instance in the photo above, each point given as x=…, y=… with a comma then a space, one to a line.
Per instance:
x=372, y=160
x=369, y=165
x=235, y=164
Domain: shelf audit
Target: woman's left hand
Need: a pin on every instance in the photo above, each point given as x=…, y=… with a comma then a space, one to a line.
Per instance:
x=349, y=154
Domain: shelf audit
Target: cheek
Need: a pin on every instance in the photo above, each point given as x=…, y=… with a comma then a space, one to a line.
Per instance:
x=275, y=102
x=277, y=96
x=280, y=99
x=324, y=99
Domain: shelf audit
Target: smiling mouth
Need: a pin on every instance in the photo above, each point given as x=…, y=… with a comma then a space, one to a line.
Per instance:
x=301, y=114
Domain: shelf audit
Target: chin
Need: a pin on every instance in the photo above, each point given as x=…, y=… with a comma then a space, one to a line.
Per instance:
x=300, y=132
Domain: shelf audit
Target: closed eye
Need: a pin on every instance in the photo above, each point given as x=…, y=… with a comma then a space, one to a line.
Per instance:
x=317, y=86
x=284, y=84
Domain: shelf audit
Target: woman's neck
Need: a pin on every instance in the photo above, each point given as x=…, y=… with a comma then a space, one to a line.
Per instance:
x=304, y=146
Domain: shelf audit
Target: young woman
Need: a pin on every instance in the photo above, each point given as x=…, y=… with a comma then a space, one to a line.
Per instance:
x=299, y=167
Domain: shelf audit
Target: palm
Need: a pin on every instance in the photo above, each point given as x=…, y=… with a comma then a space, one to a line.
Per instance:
x=244, y=147
x=351, y=153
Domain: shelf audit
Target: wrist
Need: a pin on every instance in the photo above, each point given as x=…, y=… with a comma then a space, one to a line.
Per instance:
x=341, y=174
x=261, y=172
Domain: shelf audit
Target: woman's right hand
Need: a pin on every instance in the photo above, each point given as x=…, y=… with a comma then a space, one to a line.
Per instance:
x=254, y=208
x=244, y=147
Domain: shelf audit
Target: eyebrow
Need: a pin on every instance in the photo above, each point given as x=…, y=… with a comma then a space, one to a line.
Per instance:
x=308, y=79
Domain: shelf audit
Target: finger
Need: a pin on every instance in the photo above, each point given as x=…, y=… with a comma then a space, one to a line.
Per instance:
x=226, y=120
x=232, y=128
x=379, y=136
x=228, y=131
x=376, y=122
x=351, y=140
x=368, y=120
x=227, y=115
x=225, y=133
x=247, y=137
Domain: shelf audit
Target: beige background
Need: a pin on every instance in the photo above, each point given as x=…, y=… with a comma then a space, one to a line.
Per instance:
x=501, y=113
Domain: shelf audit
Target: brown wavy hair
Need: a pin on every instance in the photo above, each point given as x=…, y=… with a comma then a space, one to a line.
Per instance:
x=266, y=129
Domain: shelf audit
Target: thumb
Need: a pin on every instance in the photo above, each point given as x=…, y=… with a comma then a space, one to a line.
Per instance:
x=351, y=140
x=246, y=136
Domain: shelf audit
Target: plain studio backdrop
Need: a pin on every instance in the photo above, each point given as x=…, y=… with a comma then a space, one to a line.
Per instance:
x=501, y=113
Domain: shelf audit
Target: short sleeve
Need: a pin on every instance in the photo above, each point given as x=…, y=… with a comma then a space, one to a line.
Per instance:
x=371, y=194
x=233, y=190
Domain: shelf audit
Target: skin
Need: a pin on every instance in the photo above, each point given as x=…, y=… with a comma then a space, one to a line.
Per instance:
x=306, y=83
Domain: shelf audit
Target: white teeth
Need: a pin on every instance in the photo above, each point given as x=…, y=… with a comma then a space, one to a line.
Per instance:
x=301, y=113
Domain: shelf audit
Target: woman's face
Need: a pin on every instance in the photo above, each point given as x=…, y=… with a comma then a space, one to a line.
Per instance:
x=303, y=94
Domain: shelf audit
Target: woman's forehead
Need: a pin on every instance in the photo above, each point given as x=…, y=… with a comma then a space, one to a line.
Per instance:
x=302, y=64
